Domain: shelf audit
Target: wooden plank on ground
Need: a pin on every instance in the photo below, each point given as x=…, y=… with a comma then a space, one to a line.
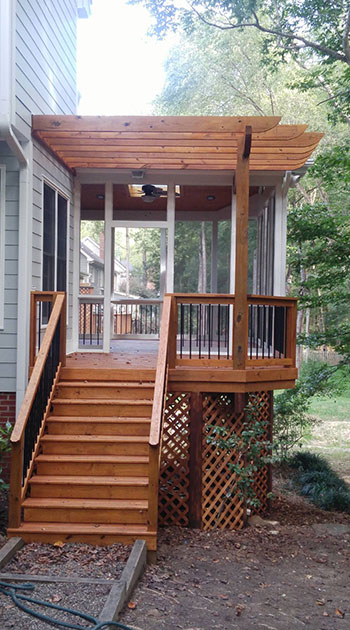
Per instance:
x=47, y=579
x=10, y=549
x=121, y=591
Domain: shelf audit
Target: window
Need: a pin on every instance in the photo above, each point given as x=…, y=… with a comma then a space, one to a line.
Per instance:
x=2, y=243
x=54, y=240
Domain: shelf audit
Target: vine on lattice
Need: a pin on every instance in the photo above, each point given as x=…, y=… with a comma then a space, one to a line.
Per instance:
x=235, y=447
x=261, y=400
x=174, y=464
x=219, y=508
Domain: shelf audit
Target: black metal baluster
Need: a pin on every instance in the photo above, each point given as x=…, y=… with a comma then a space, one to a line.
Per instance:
x=181, y=328
x=200, y=331
x=219, y=330
x=190, y=331
x=209, y=331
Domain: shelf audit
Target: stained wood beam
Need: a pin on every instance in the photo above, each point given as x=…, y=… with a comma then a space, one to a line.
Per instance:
x=240, y=332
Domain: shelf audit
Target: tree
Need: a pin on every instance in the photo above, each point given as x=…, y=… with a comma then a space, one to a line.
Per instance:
x=315, y=33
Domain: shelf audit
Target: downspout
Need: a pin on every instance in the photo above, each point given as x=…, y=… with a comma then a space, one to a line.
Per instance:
x=24, y=157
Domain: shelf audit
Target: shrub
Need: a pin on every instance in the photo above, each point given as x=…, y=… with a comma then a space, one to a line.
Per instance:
x=315, y=479
x=5, y=447
x=291, y=406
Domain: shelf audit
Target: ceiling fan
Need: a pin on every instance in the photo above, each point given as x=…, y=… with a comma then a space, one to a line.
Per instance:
x=154, y=192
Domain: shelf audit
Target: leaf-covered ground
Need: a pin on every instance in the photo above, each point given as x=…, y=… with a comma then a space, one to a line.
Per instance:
x=291, y=573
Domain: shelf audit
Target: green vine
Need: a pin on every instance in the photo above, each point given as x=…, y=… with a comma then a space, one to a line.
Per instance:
x=251, y=449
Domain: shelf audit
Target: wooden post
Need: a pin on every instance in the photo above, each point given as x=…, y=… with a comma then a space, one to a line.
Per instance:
x=195, y=489
x=240, y=335
x=172, y=334
x=32, y=328
x=63, y=332
x=291, y=338
x=16, y=484
x=153, y=480
x=270, y=436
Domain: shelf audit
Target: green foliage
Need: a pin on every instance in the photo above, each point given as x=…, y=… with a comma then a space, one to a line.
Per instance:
x=252, y=452
x=315, y=479
x=5, y=447
x=291, y=406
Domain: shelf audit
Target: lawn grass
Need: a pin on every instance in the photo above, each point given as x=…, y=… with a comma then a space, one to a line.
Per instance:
x=336, y=408
x=330, y=437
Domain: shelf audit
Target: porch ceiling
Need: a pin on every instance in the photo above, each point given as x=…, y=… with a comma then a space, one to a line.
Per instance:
x=173, y=142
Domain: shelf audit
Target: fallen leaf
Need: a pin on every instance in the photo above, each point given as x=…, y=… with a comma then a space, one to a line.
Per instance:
x=239, y=609
x=132, y=605
x=55, y=599
x=339, y=613
x=320, y=602
x=58, y=543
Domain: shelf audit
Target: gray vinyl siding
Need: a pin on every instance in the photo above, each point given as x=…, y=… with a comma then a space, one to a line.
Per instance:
x=45, y=60
x=46, y=168
x=8, y=335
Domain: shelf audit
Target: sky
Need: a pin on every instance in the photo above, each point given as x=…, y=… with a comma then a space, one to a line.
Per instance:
x=120, y=68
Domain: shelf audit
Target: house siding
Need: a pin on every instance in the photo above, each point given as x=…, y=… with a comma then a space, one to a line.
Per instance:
x=8, y=335
x=45, y=167
x=45, y=60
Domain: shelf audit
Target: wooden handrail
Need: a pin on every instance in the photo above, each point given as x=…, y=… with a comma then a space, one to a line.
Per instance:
x=158, y=399
x=22, y=418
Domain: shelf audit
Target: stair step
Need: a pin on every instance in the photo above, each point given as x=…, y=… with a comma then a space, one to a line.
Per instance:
x=107, y=374
x=99, y=465
x=110, y=390
x=53, y=510
x=102, y=407
x=72, y=425
x=94, y=534
x=88, y=487
x=94, y=444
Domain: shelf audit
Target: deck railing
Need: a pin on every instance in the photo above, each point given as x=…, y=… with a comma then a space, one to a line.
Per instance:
x=136, y=318
x=91, y=321
x=41, y=303
x=203, y=330
x=156, y=430
x=36, y=404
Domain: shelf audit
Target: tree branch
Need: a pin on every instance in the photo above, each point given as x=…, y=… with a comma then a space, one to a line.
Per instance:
x=279, y=33
x=346, y=38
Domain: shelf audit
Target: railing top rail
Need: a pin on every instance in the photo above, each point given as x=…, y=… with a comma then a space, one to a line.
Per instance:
x=261, y=299
x=33, y=384
x=157, y=409
x=91, y=299
x=137, y=301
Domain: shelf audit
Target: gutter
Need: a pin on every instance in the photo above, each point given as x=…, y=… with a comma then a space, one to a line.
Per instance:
x=25, y=210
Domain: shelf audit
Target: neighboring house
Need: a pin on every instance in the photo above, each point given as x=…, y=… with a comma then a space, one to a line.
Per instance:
x=92, y=267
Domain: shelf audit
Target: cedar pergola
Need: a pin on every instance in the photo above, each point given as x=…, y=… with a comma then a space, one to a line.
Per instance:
x=239, y=144
x=174, y=142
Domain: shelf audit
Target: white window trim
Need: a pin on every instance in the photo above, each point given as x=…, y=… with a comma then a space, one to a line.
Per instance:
x=2, y=242
x=58, y=191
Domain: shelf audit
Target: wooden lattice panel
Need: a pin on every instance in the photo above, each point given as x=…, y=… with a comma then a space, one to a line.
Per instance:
x=220, y=508
x=261, y=402
x=174, y=464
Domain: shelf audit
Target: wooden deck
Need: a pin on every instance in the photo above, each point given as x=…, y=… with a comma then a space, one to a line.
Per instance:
x=124, y=355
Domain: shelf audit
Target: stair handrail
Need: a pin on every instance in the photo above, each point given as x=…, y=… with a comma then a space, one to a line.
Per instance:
x=159, y=398
x=160, y=380
x=19, y=476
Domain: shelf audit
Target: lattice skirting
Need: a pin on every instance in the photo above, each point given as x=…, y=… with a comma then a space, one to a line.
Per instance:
x=220, y=505
x=174, y=464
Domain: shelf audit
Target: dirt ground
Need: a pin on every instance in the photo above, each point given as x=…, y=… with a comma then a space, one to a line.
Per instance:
x=283, y=575
x=289, y=572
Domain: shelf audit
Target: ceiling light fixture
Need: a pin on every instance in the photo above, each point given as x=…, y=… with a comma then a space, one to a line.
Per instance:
x=211, y=197
x=100, y=196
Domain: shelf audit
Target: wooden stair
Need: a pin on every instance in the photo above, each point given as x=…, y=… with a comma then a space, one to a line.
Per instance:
x=90, y=481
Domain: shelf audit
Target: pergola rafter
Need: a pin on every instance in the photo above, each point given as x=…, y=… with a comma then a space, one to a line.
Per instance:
x=173, y=143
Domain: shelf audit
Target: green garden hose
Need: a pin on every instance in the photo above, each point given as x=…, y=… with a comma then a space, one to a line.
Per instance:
x=18, y=598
